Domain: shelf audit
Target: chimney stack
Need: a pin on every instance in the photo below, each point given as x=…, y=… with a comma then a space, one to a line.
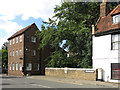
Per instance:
x=104, y=8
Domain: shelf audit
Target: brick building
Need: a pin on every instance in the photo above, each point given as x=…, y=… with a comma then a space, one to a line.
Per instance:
x=23, y=54
x=106, y=44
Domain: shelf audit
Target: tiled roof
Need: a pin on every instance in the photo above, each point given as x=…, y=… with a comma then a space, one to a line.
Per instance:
x=106, y=24
x=116, y=10
x=20, y=31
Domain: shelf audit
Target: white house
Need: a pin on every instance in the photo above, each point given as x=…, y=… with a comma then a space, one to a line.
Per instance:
x=106, y=44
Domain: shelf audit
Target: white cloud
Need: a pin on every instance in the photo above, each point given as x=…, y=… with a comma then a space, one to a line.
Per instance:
x=9, y=9
x=2, y=40
x=28, y=8
x=8, y=27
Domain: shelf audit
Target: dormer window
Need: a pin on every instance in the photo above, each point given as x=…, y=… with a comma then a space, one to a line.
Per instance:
x=116, y=19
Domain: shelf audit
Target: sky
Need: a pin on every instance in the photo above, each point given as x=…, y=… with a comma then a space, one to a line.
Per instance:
x=17, y=14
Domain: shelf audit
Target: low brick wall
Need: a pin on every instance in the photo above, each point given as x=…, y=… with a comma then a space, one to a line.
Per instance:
x=75, y=73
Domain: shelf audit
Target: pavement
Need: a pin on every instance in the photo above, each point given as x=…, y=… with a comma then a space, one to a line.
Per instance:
x=77, y=81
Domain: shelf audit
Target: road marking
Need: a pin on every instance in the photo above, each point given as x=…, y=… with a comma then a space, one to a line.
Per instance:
x=8, y=79
x=41, y=85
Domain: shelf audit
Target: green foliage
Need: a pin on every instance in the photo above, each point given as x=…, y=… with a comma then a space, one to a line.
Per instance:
x=0, y=56
x=4, y=58
x=73, y=23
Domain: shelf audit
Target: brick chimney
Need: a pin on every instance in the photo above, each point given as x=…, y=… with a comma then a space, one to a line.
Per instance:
x=104, y=8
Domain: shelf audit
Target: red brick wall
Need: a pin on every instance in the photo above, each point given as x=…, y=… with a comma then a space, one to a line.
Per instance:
x=27, y=46
x=15, y=59
x=32, y=46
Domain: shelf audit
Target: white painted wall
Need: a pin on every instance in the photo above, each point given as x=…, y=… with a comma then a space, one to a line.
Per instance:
x=103, y=56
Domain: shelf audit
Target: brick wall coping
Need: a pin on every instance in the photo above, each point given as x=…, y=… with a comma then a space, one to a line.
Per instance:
x=72, y=68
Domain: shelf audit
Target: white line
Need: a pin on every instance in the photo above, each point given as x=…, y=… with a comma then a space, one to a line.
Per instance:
x=8, y=79
x=41, y=86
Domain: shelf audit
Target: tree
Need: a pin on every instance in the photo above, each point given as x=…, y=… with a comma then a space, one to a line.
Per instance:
x=0, y=57
x=73, y=23
x=4, y=55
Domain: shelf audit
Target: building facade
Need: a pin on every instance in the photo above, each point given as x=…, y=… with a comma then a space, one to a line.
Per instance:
x=106, y=44
x=23, y=54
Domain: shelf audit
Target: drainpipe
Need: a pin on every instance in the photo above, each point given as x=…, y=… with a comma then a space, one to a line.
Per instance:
x=93, y=29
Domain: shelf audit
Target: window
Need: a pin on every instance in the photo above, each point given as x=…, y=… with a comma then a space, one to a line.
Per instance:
x=13, y=41
x=29, y=67
x=16, y=66
x=10, y=53
x=12, y=66
x=36, y=67
x=10, y=42
x=33, y=52
x=20, y=66
x=27, y=36
x=20, y=52
x=115, y=41
x=13, y=53
x=16, y=39
x=20, y=38
x=116, y=19
x=16, y=52
x=33, y=39
x=9, y=66
x=115, y=71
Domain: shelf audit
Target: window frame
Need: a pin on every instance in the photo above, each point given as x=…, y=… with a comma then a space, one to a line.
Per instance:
x=33, y=52
x=16, y=39
x=115, y=41
x=16, y=66
x=21, y=38
x=33, y=39
x=20, y=66
x=16, y=52
x=28, y=68
x=20, y=52
x=10, y=42
x=36, y=69
x=13, y=53
x=113, y=74
x=13, y=41
x=9, y=66
x=10, y=53
x=13, y=66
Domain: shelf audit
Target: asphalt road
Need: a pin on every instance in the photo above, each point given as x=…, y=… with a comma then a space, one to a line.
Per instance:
x=23, y=82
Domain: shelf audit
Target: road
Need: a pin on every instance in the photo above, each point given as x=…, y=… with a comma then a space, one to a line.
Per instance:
x=23, y=82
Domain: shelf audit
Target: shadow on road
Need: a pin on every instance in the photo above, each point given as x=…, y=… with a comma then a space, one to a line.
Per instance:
x=5, y=84
x=6, y=77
